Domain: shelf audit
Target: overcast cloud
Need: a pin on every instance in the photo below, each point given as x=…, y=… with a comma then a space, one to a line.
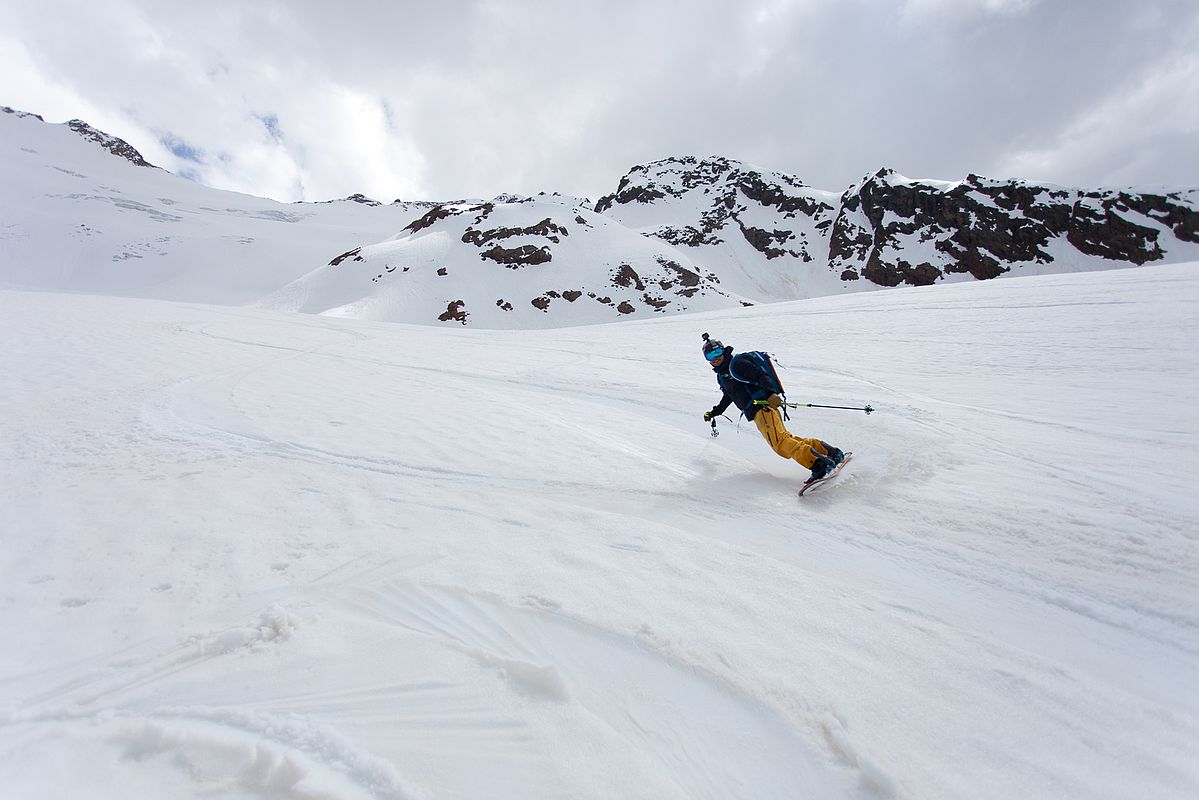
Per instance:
x=311, y=100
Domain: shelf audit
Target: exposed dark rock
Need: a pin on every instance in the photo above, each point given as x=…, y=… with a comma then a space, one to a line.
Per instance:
x=347, y=254
x=21, y=114
x=628, y=194
x=688, y=236
x=627, y=277
x=983, y=227
x=685, y=276
x=658, y=303
x=978, y=227
x=483, y=212
x=571, y=295
x=1096, y=229
x=114, y=145
x=434, y=215
x=625, y=307
x=504, y=304
x=517, y=257
x=1170, y=210
x=901, y=272
x=455, y=311
x=443, y=272
x=546, y=228
x=763, y=241
x=541, y=302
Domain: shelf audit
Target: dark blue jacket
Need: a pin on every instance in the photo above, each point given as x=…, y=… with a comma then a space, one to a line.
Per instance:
x=736, y=392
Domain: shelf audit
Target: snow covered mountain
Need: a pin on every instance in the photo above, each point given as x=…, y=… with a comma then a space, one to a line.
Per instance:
x=764, y=233
x=892, y=230
x=83, y=211
x=523, y=264
x=771, y=238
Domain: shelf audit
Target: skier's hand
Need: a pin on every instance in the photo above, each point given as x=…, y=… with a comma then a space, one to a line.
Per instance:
x=707, y=416
x=774, y=401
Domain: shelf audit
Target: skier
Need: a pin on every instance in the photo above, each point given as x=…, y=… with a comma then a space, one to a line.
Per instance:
x=746, y=382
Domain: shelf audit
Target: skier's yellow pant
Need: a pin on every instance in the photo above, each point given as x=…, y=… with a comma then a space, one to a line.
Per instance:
x=785, y=443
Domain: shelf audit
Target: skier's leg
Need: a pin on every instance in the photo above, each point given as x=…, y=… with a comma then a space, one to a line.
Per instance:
x=783, y=442
x=808, y=450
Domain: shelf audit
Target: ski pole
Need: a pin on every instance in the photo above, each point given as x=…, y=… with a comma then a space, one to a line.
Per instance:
x=867, y=409
x=715, y=432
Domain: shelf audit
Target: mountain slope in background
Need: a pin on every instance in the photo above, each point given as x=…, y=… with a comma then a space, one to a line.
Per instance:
x=486, y=264
x=75, y=218
x=764, y=233
x=771, y=238
x=83, y=213
x=892, y=230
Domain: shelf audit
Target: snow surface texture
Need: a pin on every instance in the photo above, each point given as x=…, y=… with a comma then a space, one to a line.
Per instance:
x=255, y=555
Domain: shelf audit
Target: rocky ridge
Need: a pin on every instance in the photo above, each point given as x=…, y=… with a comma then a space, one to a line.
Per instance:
x=889, y=230
x=730, y=198
x=893, y=231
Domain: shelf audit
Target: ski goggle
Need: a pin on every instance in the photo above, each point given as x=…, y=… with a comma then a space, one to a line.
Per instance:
x=712, y=355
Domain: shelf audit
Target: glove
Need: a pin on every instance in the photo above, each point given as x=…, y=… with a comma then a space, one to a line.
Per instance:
x=774, y=401
x=707, y=416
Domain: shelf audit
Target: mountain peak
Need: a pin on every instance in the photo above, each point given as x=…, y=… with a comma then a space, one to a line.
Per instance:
x=21, y=114
x=113, y=144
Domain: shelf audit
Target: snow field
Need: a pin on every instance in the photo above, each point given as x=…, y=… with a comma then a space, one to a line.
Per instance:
x=249, y=554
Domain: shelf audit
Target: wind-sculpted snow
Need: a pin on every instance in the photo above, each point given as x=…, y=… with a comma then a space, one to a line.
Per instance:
x=262, y=555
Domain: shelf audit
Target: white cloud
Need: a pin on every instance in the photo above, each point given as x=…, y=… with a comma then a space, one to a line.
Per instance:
x=471, y=99
x=1147, y=131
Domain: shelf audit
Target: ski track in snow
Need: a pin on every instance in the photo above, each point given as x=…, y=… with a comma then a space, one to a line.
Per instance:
x=530, y=573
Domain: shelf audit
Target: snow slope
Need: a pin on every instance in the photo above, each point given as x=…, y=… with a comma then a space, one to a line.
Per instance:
x=250, y=555
x=74, y=217
x=525, y=264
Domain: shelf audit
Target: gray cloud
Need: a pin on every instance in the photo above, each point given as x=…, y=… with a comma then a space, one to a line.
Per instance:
x=313, y=100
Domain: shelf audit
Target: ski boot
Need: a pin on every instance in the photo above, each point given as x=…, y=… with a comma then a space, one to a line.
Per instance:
x=823, y=466
x=836, y=455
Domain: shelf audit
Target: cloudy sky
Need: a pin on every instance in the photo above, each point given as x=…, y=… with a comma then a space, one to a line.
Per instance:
x=311, y=99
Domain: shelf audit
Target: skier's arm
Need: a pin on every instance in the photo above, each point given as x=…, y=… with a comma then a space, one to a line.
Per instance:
x=719, y=408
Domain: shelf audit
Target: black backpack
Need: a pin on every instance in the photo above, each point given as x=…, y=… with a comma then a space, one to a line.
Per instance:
x=765, y=365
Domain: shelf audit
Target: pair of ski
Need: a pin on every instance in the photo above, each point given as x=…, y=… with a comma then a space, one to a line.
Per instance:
x=811, y=485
